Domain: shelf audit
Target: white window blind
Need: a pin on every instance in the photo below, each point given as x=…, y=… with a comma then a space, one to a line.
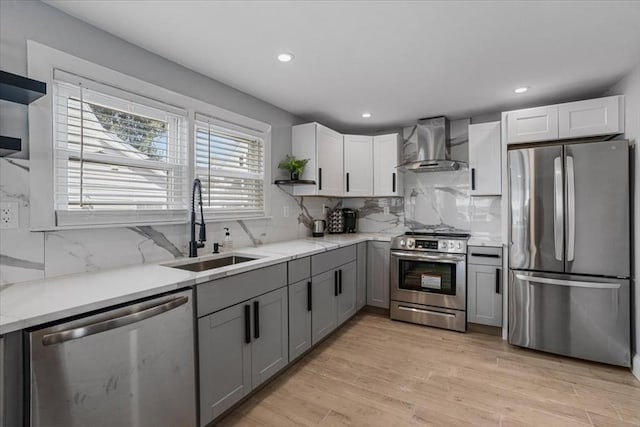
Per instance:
x=231, y=166
x=116, y=152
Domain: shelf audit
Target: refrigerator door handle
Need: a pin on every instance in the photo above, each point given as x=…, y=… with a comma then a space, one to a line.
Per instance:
x=572, y=283
x=571, y=210
x=558, y=222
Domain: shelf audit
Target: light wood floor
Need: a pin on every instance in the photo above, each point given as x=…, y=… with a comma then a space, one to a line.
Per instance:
x=378, y=372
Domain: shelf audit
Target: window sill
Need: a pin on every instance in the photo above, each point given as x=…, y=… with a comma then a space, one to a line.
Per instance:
x=216, y=219
x=208, y=220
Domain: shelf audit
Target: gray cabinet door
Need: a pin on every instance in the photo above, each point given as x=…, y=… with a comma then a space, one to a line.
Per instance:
x=348, y=292
x=270, y=345
x=299, y=318
x=324, y=296
x=225, y=361
x=361, y=276
x=378, y=274
x=484, y=287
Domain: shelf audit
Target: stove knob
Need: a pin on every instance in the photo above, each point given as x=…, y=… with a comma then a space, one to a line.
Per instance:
x=410, y=244
x=443, y=245
x=402, y=243
x=451, y=245
x=459, y=245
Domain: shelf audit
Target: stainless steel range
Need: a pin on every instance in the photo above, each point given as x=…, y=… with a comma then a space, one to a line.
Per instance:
x=428, y=279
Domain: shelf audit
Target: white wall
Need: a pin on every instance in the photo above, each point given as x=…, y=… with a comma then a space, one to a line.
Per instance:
x=629, y=86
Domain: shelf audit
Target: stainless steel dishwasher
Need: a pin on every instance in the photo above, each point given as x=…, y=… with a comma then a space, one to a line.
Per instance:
x=131, y=366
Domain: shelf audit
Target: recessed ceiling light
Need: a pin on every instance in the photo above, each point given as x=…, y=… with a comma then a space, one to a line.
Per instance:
x=366, y=115
x=521, y=89
x=285, y=57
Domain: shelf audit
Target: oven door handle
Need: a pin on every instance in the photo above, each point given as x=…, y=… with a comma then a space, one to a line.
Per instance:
x=445, y=258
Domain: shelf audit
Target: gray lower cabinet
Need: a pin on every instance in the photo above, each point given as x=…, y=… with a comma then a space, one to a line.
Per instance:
x=484, y=301
x=240, y=347
x=324, y=291
x=270, y=345
x=299, y=318
x=378, y=274
x=484, y=285
x=225, y=361
x=361, y=275
x=347, y=291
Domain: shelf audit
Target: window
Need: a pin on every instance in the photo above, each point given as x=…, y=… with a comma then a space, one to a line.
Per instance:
x=122, y=151
x=231, y=165
x=116, y=153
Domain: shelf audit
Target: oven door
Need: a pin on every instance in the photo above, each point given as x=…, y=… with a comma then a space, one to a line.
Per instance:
x=429, y=278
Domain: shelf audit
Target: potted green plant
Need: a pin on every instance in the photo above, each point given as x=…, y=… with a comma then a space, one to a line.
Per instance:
x=294, y=166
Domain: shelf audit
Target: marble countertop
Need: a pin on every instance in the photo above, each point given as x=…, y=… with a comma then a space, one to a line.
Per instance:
x=28, y=304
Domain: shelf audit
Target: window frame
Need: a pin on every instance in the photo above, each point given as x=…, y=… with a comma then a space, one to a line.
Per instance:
x=42, y=62
x=211, y=213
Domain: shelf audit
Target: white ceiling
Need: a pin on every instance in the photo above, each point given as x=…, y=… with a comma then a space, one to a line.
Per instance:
x=398, y=60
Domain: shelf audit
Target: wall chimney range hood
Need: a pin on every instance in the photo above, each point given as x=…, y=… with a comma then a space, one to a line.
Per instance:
x=426, y=147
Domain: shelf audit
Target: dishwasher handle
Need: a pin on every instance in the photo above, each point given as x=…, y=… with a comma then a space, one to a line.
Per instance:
x=116, y=322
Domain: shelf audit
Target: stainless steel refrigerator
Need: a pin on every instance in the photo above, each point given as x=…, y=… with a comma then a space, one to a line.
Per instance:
x=569, y=256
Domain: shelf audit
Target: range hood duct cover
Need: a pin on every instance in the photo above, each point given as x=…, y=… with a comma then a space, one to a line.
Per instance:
x=426, y=147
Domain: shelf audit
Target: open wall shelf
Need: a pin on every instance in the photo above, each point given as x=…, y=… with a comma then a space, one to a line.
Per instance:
x=21, y=90
x=294, y=182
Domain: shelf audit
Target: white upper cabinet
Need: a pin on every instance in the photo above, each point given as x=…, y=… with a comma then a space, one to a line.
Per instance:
x=386, y=180
x=484, y=159
x=330, y=162
x=324, y=149
x=358, y=165
x=592, y=117
x=602, y=116
x=532, y=124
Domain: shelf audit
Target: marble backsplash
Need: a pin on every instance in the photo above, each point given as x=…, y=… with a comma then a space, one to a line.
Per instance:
x=27, y=255
x=432, y=201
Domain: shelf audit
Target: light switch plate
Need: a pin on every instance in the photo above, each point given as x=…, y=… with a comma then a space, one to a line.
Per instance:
x=8, y=215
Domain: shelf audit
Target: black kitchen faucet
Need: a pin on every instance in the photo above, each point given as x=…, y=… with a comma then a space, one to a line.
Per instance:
x=193, y=245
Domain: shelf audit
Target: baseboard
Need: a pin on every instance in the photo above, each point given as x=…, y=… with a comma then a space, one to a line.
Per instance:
x=376, y=310
x=484, y=329
x=635, y=366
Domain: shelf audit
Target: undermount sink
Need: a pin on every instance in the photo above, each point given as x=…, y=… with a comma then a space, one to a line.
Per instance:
x=210, y=264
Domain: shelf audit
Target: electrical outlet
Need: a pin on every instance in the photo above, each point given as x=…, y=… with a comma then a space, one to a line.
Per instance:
x=285, y=211
x=386, y=210
x=9, y=215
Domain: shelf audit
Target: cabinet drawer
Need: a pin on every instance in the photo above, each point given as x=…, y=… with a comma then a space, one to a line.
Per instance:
x=484, y=255
x=222, y=293
x=332, y=259
x=299, y=269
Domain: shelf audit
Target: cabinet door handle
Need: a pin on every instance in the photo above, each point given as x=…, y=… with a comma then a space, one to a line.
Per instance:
x=319, y=178
x=473, y=178
x=347, y=182
x=256, y=319
x=393, y=182
x=485, y=255
x=335, y=283
x=340, y=281
x=247, y=324
x=309, y=297
x=498, y=280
